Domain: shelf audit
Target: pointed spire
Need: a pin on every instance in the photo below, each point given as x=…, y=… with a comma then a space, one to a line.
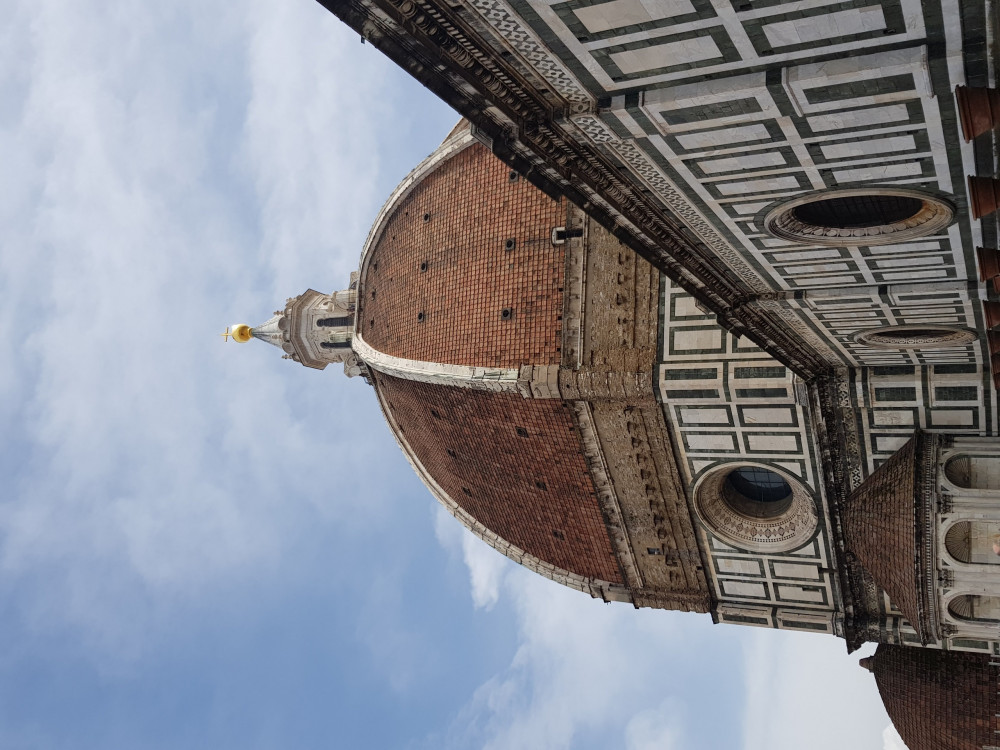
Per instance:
x=271, y=331
x=313, y=329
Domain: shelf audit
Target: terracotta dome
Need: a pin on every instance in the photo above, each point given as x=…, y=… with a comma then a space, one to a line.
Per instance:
x=463, y=270
x=939, y=700
x=470, y=316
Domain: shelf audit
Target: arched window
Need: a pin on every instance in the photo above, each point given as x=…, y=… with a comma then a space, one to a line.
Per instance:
x=975, y=608
x=334, y=322
x=336, y=344
x=958, y=541
x=974, y=542
x=974, y=472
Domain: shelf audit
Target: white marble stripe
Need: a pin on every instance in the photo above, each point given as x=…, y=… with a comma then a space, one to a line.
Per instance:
x=618, y=13
x=497, y=379
x=831, y=25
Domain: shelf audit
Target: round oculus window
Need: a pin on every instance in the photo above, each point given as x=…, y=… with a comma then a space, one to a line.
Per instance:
x=757, y=492
x=756, y=508
x=858, y=211
x=859, y=216
x=915, y=337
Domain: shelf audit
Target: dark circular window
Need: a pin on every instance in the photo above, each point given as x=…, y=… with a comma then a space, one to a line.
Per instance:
x=755, y=507
x=858, y=211
x=911, y=333
x=858, y=216
x=915, y=337
x=756, y=491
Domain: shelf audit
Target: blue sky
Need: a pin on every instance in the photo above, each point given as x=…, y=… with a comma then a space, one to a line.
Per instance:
x=205, y=546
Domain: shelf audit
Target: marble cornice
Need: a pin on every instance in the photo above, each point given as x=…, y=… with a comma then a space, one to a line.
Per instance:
x=531, y=132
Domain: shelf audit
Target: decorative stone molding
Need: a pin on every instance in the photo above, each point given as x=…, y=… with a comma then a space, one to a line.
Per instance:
x=610, y=507
x=933, y=215
x=789, y=530
x=523, y=41
x=916, y=337
x=644, y=168
x=574, y=285
x=496, y=379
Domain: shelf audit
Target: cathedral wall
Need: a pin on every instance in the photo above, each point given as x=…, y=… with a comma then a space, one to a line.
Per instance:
x=465, y=271
x=968, y=536
x=880, y=408
x=730, y=405
x=620, y=306
x=514, y=464
x=784, y=105
x=636, y=450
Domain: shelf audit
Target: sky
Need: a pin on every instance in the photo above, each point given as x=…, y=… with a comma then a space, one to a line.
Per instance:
x=205, y=546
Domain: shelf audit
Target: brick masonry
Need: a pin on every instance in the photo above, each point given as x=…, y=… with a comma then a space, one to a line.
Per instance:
x=880, y=528
x=441, y=275
x=514, y=464
x=939, y=700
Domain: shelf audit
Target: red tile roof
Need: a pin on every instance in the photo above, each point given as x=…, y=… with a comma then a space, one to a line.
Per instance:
x=887, y=526
x=939, y=700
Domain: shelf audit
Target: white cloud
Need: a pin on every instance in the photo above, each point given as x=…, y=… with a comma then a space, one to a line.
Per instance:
x=172, y=168
x=577, y=665
x=891, y=739
x=798, y=688
x=485, y=565
x=584, y=673
x=653, y=729
x=311, y=140
x=486, y=569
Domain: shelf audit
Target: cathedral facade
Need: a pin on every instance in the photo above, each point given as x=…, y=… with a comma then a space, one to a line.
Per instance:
x=695, y=311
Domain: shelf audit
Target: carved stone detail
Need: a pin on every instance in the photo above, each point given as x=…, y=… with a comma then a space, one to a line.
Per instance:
x=786, y=531
x=795, y=322
x=934, y=215
x=921, y=337
x=500, y=16
x=606, y=496
x=682, y=208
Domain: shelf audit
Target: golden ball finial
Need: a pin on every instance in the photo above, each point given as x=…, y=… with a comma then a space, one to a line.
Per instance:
x=241, y=333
